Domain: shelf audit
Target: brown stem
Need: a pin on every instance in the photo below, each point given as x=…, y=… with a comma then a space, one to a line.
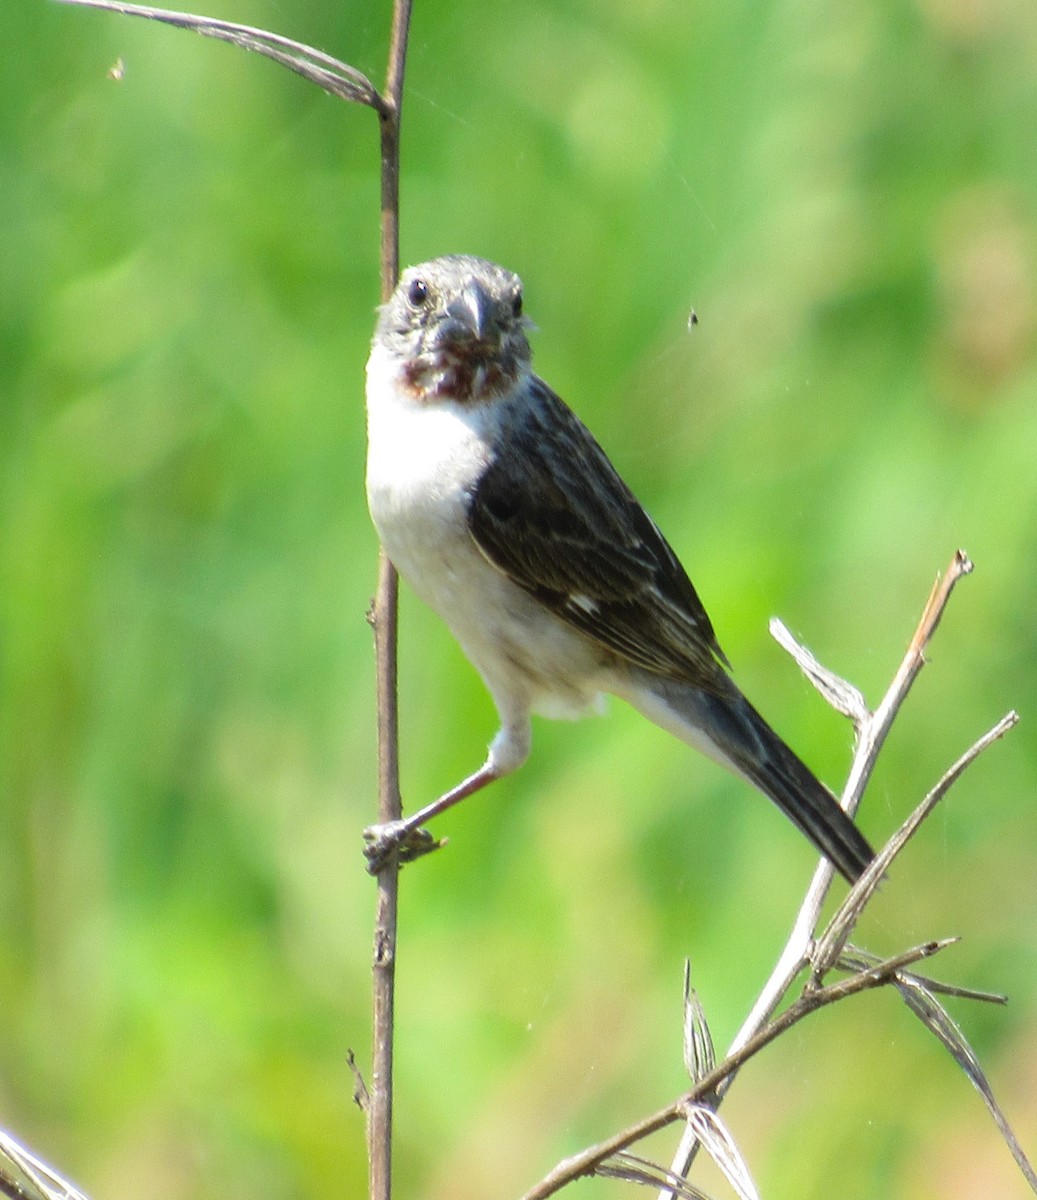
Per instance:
x=385, y=623
x=347, y=82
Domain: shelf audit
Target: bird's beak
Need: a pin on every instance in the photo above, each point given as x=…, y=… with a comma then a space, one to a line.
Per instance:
x=473, y=309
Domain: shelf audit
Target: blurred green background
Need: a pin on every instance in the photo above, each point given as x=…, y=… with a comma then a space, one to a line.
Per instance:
x=847, y=196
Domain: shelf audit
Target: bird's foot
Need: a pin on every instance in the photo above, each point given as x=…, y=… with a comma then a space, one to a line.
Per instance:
x=397, y=838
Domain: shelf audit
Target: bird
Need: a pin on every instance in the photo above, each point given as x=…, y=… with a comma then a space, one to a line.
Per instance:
x=498, y=507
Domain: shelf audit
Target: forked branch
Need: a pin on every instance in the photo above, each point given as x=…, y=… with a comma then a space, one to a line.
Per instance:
x=809, y=951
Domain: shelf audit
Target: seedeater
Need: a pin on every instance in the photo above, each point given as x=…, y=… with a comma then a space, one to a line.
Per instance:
x=498, y=507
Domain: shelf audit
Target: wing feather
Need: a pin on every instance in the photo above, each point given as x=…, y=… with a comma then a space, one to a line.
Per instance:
x=553, y=514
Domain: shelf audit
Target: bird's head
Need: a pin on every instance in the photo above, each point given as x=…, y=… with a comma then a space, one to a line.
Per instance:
x=456, y=327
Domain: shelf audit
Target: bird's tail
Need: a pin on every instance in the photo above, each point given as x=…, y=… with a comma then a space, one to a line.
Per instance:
x=730, y=730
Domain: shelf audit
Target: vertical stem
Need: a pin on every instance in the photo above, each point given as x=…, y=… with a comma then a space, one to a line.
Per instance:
x=383, y=962
x=385, y=617
x=390, y=123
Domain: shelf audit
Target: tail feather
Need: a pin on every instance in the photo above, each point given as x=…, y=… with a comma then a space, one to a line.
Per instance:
x=784, y=778
x=729, y=729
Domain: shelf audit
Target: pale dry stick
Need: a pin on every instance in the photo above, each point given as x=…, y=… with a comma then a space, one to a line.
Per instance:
x=866, y=971
x=23, y=1176
x=829, y=947
x=871, y=732
x=587, y=1161
x=871, y=729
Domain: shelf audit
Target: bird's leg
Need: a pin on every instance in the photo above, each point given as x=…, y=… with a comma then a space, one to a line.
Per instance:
x=406, y=837
x=508, y=751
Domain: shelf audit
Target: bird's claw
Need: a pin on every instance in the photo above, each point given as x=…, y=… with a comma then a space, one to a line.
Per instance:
x=397, y=838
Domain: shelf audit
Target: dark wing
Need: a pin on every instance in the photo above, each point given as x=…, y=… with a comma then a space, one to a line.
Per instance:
x=552, y=513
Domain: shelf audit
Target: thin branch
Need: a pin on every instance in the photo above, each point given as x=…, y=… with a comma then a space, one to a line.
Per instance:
x=588, y=1161
x=330, y=74
x=871, y=734
x=830, y=944
x=871, y=731
x=877, y=728
x=384, y=619
x=23, y=1176
x=855, y=959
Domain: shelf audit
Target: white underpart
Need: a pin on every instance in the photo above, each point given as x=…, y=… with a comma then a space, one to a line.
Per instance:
x=684, y=713
x=422, y=462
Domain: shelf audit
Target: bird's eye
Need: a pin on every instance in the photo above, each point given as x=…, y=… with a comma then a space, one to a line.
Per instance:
x=417, y=293
x=516, y=304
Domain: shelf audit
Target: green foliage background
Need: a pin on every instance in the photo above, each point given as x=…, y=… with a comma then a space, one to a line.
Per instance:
x=847, y=196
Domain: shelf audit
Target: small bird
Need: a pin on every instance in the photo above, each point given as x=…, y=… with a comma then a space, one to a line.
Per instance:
x=496, y=504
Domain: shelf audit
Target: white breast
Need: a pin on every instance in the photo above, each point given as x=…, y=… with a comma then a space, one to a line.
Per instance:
x=423, y=461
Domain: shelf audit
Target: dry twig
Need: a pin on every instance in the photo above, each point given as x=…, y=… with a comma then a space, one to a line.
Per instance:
x=23, y=1176
x=588, y=1161
x=808, y=951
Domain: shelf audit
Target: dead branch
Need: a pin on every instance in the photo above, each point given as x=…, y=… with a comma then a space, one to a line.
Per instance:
x=807, y=950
